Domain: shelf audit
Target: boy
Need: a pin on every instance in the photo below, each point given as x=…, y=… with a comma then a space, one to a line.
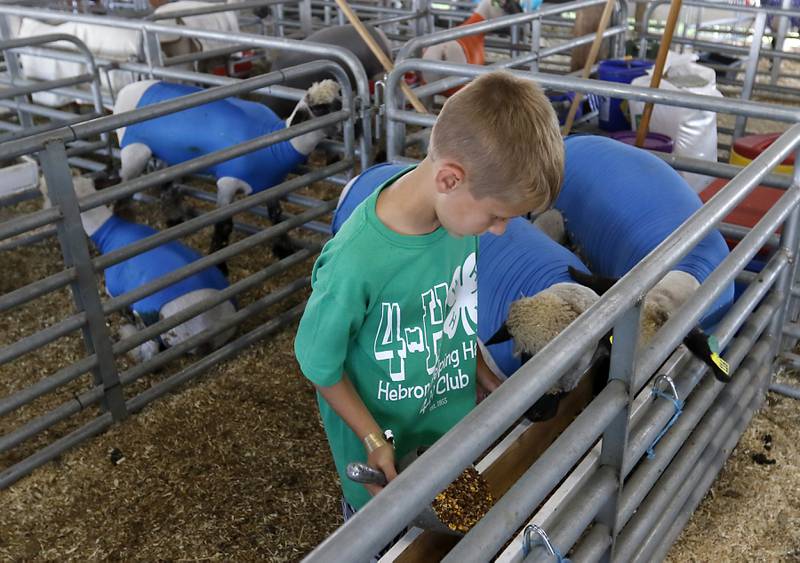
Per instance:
x=389, y=334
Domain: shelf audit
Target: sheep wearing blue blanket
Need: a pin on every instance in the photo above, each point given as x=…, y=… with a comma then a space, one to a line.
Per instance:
x=617, y=203
x=524, y=289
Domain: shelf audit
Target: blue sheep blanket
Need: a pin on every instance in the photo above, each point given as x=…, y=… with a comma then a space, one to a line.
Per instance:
x=147, y=266
x=520, y=263
x=194, y=132
x=620, y=202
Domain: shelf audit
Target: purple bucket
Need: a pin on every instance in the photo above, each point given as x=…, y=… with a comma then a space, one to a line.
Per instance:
x=653, y=141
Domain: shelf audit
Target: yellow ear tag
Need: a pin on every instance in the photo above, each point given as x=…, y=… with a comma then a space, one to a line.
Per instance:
x=611, y=339
x=721, y=364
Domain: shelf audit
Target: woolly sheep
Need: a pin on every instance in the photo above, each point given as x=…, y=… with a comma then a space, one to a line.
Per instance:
x=116, y=44
x=341, y=36
x=190, y=133
x=618, y=203
x=523, y=277
x=469, y=49
x=108, y=233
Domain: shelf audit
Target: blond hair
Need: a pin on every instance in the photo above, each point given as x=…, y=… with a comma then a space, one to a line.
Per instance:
x=505, y=134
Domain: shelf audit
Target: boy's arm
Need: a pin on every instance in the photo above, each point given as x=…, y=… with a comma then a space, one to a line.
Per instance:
x=343, y=398
x=487, y=380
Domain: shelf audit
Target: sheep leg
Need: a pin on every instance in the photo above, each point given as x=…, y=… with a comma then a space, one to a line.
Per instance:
x=281, y=245
x=134, y=159
x=143, y=351
x=220, y=239
x=227, y=189
x=172, y=203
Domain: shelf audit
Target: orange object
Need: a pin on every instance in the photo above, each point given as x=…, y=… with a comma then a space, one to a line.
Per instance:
x=473, y=45
x=748, y=212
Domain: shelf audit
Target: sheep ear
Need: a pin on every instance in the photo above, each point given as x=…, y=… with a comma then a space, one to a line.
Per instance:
x=697, y=341
x=598, y=284
x=502, y=335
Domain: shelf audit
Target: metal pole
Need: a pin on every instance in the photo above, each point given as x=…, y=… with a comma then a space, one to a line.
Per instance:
x=750, y=72
x=14, y=72
x=777, y=45
x=615, y=437
x=84, y=290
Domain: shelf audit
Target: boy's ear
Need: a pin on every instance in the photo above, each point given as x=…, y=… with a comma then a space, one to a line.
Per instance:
x=449, y=175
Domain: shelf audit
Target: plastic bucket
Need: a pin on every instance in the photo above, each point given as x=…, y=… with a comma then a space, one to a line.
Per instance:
x=653, y=141
x=747, y=148
x=612, y=118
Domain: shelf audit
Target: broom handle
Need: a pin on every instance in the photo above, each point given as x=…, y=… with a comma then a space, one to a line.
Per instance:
x=658, y=70
x=378, y=52
x=587, y=67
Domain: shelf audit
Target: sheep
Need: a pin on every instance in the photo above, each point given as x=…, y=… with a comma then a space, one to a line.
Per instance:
x=522, y=277
x=617, y=203
x=469, y=49
x=340, y=36
x=190, y=133
x=116, y=44
x=109, y=232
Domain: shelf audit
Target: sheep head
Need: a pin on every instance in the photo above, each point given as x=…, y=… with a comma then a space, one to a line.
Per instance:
x=534, y=321
x=322, y=98
x=666, y=297
x=491, y=9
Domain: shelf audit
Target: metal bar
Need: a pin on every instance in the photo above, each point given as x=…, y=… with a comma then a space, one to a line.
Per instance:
x=635, y=533
x=640, y=483
x=113, y=122
x=192, y=225
x=27, y=240
x=95, y=394
x=567, y=83
x=41, y=338
x=43, y=86
x=750, y=72
x=740, y=314
x=538, y=56
x=594, y=546
x=673, y=331
x=14, y=72
x=85, y=292
x=226, y=294
x=693, y=473
x=212, y=9
x=705, y=476
x=487, y=536
x=786, y=390
x=790, y=243
x=340, y=54
x=414, y=46
x=17, y=471
x=577, y=515
x=482, y=425
x=615, y=436
x=37, y=289
x=221, y=354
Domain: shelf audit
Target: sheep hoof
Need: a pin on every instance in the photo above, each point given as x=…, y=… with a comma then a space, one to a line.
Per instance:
x=545, y=408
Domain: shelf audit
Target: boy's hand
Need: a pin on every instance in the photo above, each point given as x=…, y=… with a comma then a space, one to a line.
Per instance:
x=382, y=458
x=487, y=381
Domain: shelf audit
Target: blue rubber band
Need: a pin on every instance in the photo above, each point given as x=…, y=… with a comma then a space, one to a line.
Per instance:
x=678, y=404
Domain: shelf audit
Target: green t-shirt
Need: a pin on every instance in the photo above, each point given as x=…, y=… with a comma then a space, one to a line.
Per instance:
x=398, y=314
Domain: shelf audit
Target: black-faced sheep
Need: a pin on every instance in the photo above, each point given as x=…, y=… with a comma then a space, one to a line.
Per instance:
x=193, y=132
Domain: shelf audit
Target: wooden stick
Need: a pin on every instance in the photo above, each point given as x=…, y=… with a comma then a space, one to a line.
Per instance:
x=658, y=70
x=590, y=60
x=378, y=52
